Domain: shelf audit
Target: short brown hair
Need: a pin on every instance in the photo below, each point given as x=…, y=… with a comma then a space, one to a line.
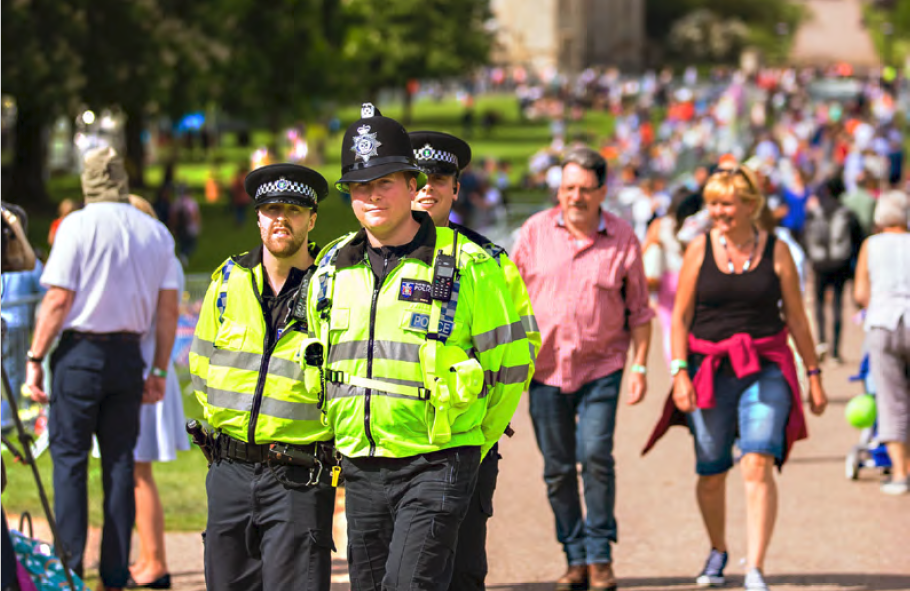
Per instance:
x=589, y=160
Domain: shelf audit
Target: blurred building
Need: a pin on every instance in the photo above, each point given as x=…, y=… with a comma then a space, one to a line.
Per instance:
x=570, y=35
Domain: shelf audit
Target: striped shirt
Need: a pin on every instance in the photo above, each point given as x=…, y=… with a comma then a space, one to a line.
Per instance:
x=586, y=293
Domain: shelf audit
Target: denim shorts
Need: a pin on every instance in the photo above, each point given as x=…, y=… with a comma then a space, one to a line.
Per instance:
x=750, y=413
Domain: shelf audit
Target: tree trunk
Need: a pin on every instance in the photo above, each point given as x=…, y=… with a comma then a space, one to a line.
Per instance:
x=27, y=182
x=135, y=150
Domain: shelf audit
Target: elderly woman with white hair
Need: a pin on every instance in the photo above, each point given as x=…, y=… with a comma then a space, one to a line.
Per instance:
x=882, y=286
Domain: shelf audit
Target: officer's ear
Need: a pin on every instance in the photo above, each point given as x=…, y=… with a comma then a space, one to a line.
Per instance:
x=312, y=223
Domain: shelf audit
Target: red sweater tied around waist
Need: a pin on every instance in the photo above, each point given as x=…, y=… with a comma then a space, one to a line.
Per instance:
x=745, y=354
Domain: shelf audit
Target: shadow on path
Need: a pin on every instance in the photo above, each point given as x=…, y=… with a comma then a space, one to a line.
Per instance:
x=828, y=581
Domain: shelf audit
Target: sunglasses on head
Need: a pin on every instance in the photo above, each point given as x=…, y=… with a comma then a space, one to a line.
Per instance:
x=740, y=170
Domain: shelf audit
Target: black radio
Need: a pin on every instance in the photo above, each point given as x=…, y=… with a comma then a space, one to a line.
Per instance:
x=443, y=277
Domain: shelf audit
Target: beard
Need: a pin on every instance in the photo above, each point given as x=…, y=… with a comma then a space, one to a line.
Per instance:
x=282, y=247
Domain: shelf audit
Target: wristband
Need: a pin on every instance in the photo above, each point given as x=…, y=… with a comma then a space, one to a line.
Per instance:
x=638, y=368
x=678, y=365
x=158, y=372
x=815, y=371
x=34, y=358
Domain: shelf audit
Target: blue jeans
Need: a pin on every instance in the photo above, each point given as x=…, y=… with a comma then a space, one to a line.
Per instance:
x=750, y=412
x=589, y=441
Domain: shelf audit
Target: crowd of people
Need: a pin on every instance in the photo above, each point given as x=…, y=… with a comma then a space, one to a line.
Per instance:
x=372, y=362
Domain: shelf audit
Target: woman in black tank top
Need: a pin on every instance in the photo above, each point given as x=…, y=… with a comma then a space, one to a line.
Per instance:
x=730, y=303
x=738, y=292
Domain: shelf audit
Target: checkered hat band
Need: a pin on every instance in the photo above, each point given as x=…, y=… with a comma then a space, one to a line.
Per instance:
x=284, y=186
x=432, y=154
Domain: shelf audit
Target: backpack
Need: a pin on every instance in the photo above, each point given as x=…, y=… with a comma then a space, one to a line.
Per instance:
x=829, y=239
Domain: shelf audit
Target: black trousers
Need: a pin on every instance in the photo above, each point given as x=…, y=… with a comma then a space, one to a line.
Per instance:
x=836, y=280
x=264, y=535
x=471, y=553
x=97, y=390
x=403, y=518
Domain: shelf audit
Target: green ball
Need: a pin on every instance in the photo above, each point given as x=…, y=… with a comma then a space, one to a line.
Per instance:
x=861, y=411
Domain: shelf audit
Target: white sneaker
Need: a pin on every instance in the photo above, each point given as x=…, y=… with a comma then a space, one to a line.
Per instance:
x=755, y=581
x=895, y=487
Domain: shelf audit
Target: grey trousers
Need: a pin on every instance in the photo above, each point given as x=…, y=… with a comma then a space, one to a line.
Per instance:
x=889, y=360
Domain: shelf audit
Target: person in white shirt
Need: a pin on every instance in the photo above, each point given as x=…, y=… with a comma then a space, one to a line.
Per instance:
x=107, y=276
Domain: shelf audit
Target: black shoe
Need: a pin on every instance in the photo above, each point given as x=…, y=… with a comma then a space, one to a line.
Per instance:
x=162, y=582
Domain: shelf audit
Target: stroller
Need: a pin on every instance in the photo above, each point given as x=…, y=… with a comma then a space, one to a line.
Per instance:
x=869, y=452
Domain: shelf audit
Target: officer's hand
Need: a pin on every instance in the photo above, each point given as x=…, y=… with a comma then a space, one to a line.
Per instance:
x=638, y=387
x=34, y=382
x=154, y=390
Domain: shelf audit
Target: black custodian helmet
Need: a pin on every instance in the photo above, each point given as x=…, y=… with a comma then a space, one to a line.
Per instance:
x=440, y=153
x=375, y=146
x=286, y=183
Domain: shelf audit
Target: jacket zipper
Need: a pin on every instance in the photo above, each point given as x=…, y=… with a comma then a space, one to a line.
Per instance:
x=263, y=367
x=369, y=393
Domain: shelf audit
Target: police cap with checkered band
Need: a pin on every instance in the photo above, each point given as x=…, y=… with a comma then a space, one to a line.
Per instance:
x=373, y=147
x=440, y=153
x=286, y=183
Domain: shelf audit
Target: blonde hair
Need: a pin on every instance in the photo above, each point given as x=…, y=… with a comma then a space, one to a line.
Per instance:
x=143, y=205
x=740, y=181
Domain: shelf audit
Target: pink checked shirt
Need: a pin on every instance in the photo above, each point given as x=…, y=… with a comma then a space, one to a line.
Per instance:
x=585, y=293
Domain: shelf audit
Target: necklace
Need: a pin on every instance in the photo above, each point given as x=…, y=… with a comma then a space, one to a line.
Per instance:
x=748, y=263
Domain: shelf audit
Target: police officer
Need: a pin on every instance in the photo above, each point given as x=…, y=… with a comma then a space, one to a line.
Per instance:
x=270, y=499
x=442, y=157
x=421, y=337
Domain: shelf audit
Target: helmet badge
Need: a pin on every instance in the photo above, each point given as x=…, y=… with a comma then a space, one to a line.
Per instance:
x=365, y=145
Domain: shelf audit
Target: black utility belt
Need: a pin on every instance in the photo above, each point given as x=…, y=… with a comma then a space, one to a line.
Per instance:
x=308, y=456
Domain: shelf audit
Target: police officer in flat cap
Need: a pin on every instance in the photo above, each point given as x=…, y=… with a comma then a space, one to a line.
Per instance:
x=417, y=322
x=442, y=157
x=270, y=495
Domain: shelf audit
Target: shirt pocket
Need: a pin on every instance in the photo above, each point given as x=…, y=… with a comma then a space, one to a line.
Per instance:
x=340, y=320
x=231, y=336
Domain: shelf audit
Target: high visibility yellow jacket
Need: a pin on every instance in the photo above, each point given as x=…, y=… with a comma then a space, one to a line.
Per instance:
x=247, y=391
x=517, y=289
x=377, y=333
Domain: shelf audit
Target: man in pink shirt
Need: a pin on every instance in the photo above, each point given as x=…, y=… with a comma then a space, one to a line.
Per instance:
x=585, y=277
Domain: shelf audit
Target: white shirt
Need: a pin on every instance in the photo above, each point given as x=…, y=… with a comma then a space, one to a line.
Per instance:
x=116, y=259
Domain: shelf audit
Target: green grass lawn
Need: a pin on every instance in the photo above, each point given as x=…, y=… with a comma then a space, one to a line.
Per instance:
x=181, y=483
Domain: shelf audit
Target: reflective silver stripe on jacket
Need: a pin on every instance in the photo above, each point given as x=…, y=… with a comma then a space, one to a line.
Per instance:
x=507, y=375
x=246, y=361
x=280, y=409
x=501, y=335
x=394, y=350
x=198, y=383
x=202, y=347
